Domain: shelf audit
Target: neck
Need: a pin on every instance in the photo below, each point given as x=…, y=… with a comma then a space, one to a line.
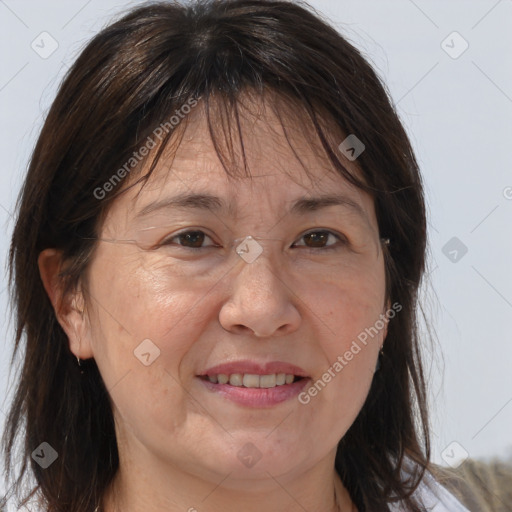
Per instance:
x=128, y=496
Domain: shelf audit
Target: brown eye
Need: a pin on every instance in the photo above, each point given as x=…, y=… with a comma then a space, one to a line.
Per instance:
x=319, y=239
x=192, y=239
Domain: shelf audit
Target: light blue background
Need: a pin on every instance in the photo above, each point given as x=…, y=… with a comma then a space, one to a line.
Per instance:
x=458, y=113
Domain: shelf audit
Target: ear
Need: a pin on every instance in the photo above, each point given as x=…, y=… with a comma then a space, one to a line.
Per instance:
x=69, y=308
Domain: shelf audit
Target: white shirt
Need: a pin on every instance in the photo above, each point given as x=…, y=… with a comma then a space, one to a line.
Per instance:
x=434, y=497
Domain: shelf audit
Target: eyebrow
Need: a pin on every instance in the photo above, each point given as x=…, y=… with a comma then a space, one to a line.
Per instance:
x=207, y=202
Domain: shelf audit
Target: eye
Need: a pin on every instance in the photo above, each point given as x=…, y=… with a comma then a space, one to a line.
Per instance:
x=319, y=238
x=192, y=239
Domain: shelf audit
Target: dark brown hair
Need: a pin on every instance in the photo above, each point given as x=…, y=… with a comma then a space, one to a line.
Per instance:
x=131, y=77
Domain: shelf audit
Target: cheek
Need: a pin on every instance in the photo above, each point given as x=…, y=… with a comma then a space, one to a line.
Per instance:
x=347, y=311
x=346, y=318
x=347, y=302
x=138, y=303
x=134, y=315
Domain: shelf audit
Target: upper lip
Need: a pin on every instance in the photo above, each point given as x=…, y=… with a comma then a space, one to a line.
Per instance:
x=254, y=368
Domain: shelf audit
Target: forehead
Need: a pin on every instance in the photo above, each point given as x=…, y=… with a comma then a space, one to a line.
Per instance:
x=282, y=160
x=262, y=137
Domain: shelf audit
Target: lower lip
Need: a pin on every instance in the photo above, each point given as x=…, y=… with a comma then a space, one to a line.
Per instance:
x=257, y=397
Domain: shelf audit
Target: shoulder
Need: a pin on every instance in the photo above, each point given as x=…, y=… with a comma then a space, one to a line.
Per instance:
x=480, y=485
x=474, y=485
x=434, y=497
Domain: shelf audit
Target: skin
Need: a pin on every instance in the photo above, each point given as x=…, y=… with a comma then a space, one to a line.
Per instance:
x=178, y=442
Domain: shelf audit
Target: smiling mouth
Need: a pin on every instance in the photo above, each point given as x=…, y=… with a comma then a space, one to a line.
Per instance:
x=248, y=380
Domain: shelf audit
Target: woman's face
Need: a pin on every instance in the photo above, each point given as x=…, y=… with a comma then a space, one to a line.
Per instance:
x=165, y=313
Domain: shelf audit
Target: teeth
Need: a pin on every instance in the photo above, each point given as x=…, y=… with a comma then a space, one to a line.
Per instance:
x=222, y=378
x=236, y=379
x=250, y=380
x=280, y=379
x=268, y=381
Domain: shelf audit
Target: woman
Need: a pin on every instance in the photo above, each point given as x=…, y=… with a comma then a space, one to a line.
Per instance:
x=215, y=268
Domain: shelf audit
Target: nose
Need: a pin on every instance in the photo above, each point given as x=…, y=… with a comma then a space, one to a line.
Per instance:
x=262, y=300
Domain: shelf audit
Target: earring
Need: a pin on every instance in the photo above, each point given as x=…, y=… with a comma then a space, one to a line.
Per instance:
x=385, y=241
x=80, y=365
